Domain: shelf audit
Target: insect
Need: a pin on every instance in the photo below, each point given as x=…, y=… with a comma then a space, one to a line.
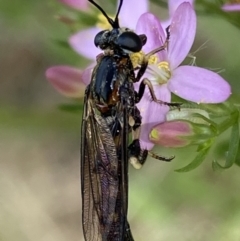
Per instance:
x=109, y=116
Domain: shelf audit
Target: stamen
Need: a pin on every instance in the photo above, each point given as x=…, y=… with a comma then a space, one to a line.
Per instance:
x=153, y=59
x=164, y=65
x=159, y=69
x=164, y=72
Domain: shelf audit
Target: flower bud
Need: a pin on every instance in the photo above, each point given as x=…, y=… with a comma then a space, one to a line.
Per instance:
x=187, y=130
x=67, y=80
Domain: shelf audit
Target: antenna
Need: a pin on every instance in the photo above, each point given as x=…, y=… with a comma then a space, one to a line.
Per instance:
x=115, y=23
x=118, y=11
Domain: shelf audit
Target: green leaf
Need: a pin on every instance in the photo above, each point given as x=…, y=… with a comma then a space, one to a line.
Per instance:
x=228, y=122
x=220, y=109
x=197, y=160
x=213, y=125
x=237, y=161
x=232, y=150
x=233, y=146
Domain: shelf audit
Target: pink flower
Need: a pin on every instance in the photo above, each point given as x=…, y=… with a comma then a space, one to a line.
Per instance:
x=182, y=128
x=231, y=7
x=189, y=82
x=83, y=41
x=78, y=4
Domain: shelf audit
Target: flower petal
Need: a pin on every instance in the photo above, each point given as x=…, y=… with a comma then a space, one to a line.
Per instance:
x=87, y=73
x=67, y=80
x=182, y=34
x=231, y=7
x=150, y=25
x=83, y=43
x=152, y=113
x=199, y=85
x=78, y=4
x=165, y=23
x=131, y=11
x=173, y=5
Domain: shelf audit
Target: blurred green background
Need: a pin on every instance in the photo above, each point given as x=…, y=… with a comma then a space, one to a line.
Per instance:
x=40, y=145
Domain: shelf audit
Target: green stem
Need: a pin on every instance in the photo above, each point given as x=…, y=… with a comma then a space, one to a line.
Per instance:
x=230, y=121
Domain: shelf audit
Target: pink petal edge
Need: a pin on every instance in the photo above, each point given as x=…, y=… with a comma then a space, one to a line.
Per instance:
x=131, y=11
x=199, y=85
x=173, y=5
x=87, y=74
x=83, y=43
x=155, y=35
x=182, y=34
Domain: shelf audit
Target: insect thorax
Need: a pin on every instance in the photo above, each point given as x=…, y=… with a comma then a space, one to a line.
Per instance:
x=113, y=74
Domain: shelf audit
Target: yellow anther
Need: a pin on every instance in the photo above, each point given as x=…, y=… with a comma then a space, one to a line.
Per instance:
x=102, y=22
x=164, y=72
x=164, y=65
x=153, y=59
x=137, y=58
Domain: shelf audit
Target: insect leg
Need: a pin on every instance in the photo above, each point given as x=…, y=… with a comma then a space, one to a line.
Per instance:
x=146, y=82
x=137, y=155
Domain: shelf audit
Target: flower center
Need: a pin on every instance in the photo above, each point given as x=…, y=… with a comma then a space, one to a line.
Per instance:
x=160, y=70
x=164, y=73
x=102, y=22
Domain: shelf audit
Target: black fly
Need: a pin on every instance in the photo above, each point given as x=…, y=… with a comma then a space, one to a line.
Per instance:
x=110, y=114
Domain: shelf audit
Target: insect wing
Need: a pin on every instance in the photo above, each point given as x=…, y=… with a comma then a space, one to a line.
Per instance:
x=124, y=169
x=99, y=175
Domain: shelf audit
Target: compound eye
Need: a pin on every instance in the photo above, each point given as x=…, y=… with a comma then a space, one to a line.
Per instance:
x=143, y=38
x=100, y=37
x=130, y=41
